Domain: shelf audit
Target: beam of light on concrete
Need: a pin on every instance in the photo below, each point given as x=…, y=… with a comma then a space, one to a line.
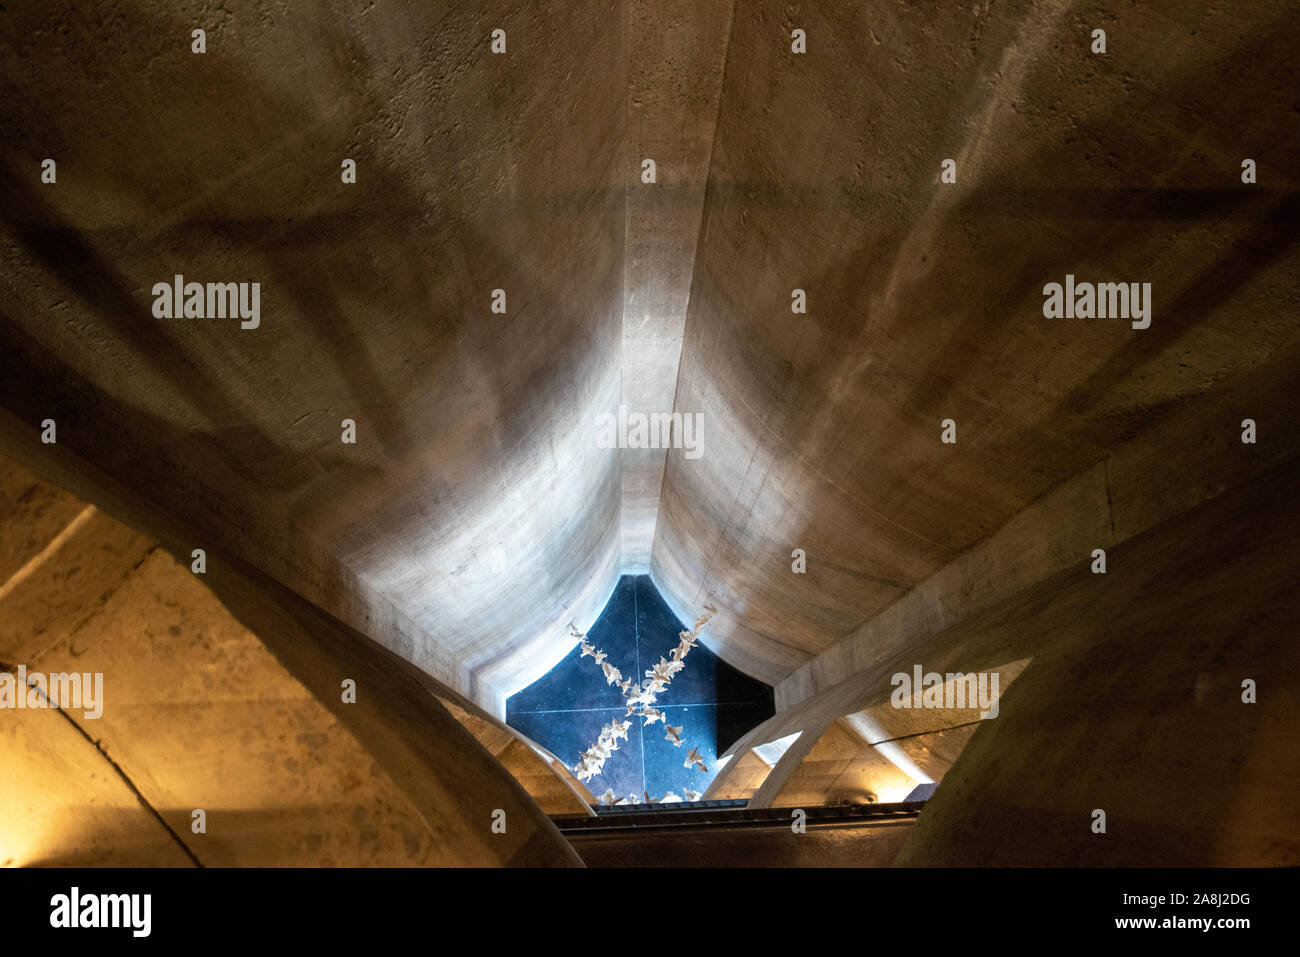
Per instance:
x=871, y=732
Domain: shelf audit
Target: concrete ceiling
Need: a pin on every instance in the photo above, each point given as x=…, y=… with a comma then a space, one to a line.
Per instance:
x=476, y=518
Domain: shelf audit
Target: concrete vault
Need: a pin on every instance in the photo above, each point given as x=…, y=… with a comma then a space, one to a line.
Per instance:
x=803, y=272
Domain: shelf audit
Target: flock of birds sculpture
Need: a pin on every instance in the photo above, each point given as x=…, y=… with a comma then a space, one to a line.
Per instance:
x=640, y=698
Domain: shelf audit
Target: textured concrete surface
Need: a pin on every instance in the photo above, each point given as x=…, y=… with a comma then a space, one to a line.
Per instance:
x=1186, y=458
x=1133, y=705
x=677, y=50
x=205, y=710
x=1127, y=697
x=924, y=298
x=852, y=745
x=62, y=804
x=476, y=518
x=214, y=722
x=547, y=779
x=840, y=768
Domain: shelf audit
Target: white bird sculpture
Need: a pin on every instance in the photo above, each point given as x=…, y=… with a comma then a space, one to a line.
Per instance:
x=660, y=672
x=588, y=767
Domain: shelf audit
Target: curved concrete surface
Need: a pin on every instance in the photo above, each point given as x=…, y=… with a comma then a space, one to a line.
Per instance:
x=477, y=516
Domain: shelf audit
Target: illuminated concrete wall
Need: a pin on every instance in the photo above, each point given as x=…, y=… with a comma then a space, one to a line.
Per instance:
x=840, y=263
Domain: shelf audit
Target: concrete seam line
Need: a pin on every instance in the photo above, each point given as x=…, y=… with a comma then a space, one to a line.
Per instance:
x=40, y=558
x=115, y=766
